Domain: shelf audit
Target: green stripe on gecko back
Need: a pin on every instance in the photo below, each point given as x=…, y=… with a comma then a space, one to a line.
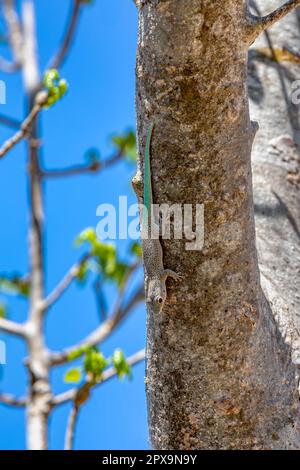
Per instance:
x=147, y=181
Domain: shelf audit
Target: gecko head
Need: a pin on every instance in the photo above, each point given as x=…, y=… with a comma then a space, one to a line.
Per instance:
x=157, y=295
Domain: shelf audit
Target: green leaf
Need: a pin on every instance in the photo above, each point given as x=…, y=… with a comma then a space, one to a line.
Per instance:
x=78, y=353
x=87, y=235
x=120, y=364
x=120, y=272
x=73, y=375
x=94, y=364
x=57, y=87
x=126, y=143
x=15, y=284
x=2, y=310
x=136, y=249
x=62, y=87
x=105, y=254
x=83, y=271
x=50, y=77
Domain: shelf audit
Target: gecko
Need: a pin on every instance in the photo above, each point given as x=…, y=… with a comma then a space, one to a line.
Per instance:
x=155, y=273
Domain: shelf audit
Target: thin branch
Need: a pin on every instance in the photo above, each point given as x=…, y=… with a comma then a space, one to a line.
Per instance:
x=256, y=24
x=135, y=298
x=94, y=167
x=71, y=427
x=82, y=394
x=11, y=327
x=100, y=333
x=59, y=59
x=8, y=67
x=15, y=35
x=100, y=299
x=65, y=282
x=70, y=395
x=11, y=400
x=72, y=171
x=10, y=122
x=25, y=126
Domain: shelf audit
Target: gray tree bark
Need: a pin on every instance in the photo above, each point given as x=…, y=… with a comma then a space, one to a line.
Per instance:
x=221, y=373
x=276, y=172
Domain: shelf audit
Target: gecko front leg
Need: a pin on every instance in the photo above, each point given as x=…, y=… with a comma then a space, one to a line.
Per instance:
x=137, y=184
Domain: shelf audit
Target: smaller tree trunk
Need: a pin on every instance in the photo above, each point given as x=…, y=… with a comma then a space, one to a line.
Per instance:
x=39, y=387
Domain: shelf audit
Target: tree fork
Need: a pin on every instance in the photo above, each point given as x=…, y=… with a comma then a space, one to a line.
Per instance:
x=219, y=375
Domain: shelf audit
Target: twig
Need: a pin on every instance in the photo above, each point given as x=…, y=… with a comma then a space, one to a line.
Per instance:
x=11, y=400
x=72, y=171
x=100, y=299
x=59, y=59
x=82, y=394
x=100, y=333
x=256, y=24
x=8, y=67
x=108, y=374
x=10, y=122
x=94, y=167
x=140, y=293
x=11, y=327
x=25, y=126
x=65, y=282
x=71, y=427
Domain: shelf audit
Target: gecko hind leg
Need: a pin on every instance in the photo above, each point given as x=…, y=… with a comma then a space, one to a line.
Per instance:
x=169, y=273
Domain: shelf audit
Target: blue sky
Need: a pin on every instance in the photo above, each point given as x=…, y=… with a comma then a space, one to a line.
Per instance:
x=100, y=70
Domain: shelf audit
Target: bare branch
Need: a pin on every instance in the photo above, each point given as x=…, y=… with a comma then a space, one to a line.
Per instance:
x=11, y=327
x=100, y=299
x=108, y=374
x=15, y=35
x=65, y=282
x=10, y=122
x=71, y=426
x=81, y=395
x=94, y=167
x=59, y=59
x=100, y=333
x=25, y=126
x=8, y=67
x=256, y=24
x=11, y=400
x=72, y=171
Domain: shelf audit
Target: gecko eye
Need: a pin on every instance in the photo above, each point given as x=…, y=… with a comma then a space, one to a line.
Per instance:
x=159, y=300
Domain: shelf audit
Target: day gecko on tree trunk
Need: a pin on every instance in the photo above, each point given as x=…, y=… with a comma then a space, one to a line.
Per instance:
x=155, y=273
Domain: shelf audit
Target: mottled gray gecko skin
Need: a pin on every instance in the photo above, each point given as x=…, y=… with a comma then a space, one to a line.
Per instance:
x=155, y=273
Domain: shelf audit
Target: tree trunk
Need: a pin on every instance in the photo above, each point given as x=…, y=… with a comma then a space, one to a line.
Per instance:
x=219, y=374
x=38, y=407
x=276, y=172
